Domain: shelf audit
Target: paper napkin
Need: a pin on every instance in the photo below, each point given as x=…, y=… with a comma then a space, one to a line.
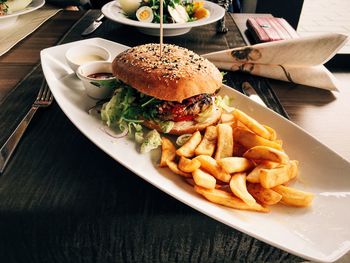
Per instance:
x=296, y=60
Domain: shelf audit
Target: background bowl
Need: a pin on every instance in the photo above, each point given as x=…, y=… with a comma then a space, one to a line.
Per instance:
x=81, y=54
x=113, y=11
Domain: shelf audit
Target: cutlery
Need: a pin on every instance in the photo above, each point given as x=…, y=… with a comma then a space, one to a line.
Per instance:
x=93, y=26
x=44, y=99
x=251, y=93
x=266, y=93
x=259, y=87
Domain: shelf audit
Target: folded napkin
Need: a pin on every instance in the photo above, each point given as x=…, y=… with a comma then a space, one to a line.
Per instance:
x=296, y=60
x=24, y=26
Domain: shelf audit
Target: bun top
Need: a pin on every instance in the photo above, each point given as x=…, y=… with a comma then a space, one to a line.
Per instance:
x=178, y=74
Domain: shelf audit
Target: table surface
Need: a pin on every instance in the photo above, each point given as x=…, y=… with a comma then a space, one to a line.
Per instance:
x=64, y=200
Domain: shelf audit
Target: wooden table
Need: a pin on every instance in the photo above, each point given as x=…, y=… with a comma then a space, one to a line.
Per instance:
x=64, y=200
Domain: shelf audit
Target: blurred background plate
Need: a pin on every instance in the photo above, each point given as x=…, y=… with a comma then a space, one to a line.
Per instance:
x=8, y=20
x=113, y=11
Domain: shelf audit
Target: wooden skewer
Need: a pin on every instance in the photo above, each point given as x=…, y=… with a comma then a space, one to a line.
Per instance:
x=161, y=29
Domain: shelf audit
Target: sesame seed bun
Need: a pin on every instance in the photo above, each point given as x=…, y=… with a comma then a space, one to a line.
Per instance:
x=176, y=75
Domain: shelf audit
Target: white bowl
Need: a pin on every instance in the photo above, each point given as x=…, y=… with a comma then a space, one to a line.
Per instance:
x=9, y=20
x=97, y=88
x=81, y=54
x=114, y=12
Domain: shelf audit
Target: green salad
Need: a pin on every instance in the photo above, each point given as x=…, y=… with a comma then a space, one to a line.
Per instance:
x=174, y=11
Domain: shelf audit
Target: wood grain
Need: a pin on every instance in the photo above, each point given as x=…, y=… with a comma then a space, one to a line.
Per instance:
x=17, y=63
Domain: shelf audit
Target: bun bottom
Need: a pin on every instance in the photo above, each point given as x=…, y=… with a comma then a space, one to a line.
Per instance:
x=183, y=127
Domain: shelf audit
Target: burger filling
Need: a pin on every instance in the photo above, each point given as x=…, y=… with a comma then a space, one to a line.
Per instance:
x=128, y=107
x=188, y=110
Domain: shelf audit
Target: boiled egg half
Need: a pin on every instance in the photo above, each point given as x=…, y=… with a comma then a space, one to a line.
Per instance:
x=145, y=14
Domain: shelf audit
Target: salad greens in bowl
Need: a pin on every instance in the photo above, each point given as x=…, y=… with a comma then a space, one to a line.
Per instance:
x=175, y=11
x=179, y=16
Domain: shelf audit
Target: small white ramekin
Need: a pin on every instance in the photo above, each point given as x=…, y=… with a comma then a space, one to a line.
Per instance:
x=81, y=54
x=96, y=88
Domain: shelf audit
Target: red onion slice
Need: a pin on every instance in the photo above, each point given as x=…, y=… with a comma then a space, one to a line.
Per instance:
x=112, y=133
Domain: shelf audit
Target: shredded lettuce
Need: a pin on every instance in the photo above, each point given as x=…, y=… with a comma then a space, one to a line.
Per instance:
x=125, y=111
x=207, y=114
x=224, y=103
x=151, y=141
x=139, y=136
x=166, y=126
x=138, y=131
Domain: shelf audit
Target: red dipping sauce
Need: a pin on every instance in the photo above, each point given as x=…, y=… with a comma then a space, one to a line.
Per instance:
x=101, y=75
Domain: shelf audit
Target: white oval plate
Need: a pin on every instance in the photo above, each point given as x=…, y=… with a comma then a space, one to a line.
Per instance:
x=113, y=11
x=320, y=232
x=8, y=20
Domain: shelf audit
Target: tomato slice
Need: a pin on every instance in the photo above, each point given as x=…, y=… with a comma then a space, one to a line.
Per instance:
x=184, y=118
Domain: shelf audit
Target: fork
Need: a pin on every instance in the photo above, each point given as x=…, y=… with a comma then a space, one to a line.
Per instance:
x=43, y=99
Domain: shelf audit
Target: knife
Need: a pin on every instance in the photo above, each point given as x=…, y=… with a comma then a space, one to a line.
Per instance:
x=93, y=26
x=251, y=93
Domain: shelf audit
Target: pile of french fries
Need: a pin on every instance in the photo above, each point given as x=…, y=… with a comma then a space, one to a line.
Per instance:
x=238, y=163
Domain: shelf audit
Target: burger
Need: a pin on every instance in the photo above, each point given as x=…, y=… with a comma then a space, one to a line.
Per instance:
x=173, y=92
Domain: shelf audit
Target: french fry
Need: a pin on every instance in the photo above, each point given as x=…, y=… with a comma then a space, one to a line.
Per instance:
x=173, y=167
x=168, y=152
x=293, y=170
x=266, y=153
x=249, y=169
x=204, y=179
x=249, y=139
x=225, y=141
x=263, y=195
x=187, y=165
x=241, y=125
x=294, y=197
x=208, y=143
x=272, y=177
x=187, y=150
x=210, y=165
x=190, y=181
x=227, y=199
x=227, y=118
x=254, y=175
x=279, y=175
x=273, y=133
x=280, y=142
x=252, y=124
x=235, y=164
x=239, y=188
